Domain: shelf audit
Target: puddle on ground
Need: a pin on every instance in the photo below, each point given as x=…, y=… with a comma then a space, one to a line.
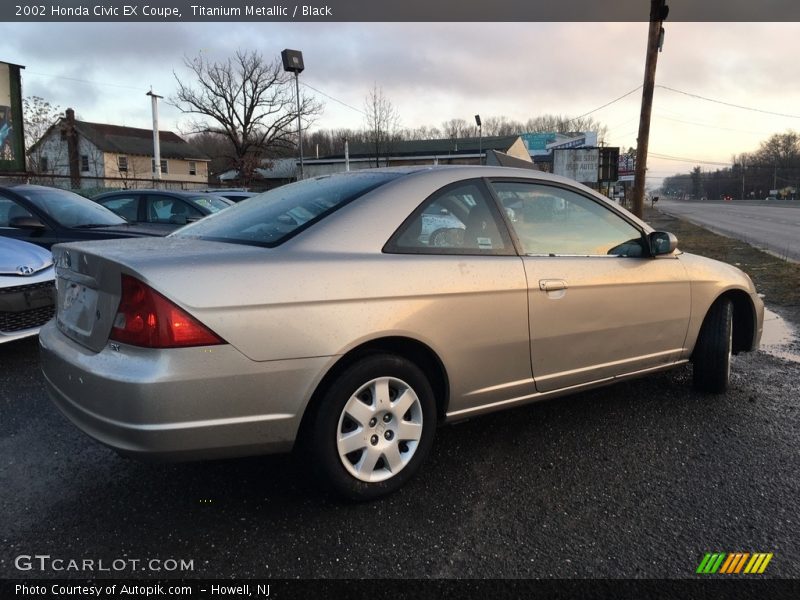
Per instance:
x=778, y=337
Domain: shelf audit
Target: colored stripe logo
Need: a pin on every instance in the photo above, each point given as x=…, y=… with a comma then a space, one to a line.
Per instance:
x=734, y=563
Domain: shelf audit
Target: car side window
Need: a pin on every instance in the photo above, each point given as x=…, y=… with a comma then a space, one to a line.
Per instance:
x=163, y=209
x=458, y=219
x=11, y=210
x=124, y=206
x=553, y=221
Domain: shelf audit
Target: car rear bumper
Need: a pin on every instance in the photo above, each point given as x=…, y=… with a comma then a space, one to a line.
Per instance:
x=178, y=404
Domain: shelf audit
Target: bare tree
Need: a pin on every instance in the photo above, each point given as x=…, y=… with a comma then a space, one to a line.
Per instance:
x=38, y=115
x=382, y=123
x=564, y=124
x=248, y=100
x=458, y=128
x=331, y=141
x=422, y=133
x=781, y=150
x=216, y=146
x=502, y=126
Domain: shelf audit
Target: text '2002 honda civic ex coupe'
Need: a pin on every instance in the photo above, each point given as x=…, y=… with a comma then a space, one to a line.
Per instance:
x=319, y=316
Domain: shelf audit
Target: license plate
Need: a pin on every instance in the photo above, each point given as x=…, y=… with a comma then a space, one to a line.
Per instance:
x=77, y=307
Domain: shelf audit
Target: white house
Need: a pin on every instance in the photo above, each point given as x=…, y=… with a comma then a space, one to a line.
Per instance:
x=101, y=155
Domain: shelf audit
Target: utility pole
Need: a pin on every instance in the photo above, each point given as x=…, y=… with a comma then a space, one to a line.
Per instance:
x=744, y=166
x=156, y=144
x=658, y=12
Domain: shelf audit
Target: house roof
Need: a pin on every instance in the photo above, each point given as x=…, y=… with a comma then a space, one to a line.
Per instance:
x=132, y=140
x=447, y=146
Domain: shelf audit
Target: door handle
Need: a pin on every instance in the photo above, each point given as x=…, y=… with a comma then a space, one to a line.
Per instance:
x=552, y=285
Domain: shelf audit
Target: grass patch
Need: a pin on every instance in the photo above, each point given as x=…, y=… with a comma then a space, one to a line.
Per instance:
x=777, y=279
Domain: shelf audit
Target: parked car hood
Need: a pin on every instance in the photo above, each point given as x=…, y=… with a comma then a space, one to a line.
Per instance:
x=15, y=255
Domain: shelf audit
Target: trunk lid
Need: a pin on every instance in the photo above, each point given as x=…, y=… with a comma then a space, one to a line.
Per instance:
x=87, y=294
x=88, y=277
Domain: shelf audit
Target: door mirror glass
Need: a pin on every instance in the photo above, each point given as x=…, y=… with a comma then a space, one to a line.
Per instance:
x=662, y=242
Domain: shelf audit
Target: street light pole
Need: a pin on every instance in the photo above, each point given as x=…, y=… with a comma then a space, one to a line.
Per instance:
x=293, y=63
x=299, y=126
x=480, y=139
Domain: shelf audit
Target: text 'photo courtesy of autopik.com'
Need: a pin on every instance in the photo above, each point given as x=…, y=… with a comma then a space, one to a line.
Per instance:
x=420, y=299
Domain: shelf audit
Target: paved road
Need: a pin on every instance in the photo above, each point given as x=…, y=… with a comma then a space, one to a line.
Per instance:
x=772, y=225
x=635, y=480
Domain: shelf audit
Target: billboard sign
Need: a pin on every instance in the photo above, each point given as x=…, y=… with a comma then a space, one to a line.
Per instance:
x=12, y=148
x=578, y=164
x=627, y=167
x=543, y=144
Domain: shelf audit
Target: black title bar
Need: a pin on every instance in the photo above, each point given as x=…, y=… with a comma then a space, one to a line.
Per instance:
x=407, y=10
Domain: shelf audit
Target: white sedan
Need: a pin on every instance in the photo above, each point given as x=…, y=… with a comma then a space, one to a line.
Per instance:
x=26, y=289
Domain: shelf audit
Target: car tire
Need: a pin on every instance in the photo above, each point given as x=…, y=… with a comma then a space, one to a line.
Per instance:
x=373, y=427
x=712, y=353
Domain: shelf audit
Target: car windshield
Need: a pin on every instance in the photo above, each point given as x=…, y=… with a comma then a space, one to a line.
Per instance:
x=69, y=209
x=210, y=203
x=272, y=217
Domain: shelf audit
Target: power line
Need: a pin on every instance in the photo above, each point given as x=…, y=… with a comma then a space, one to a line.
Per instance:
x=699, y=97
x=606, y=104
x=711, y=126
x=688, y=160
x=334, y=99
x=127, y=87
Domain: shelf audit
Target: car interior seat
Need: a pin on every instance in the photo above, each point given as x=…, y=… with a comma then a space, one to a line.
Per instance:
x=178, y=213
x=481, y=231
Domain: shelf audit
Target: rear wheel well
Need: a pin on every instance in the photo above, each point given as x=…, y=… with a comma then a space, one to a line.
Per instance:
x=416, y=352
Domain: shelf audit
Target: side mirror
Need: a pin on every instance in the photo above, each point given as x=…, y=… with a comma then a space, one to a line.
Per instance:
x=26, y=223
x=178, y=219
x=662, y=242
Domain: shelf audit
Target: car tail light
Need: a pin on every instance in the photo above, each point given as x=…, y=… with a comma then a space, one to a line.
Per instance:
x=146, y=318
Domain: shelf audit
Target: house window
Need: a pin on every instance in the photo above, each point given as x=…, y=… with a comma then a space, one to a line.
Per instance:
x=192, y=167
x=85, y=163
x=122, y=164
x=43, y=166
x=163, y=166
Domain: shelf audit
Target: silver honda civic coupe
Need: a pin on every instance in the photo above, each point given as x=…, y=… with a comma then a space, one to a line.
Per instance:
x=318, y=316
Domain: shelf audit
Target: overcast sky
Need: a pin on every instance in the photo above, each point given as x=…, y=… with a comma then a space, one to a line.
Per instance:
x=433, y=72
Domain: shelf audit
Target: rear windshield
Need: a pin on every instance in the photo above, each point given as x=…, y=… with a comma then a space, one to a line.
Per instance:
x=270, y=218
